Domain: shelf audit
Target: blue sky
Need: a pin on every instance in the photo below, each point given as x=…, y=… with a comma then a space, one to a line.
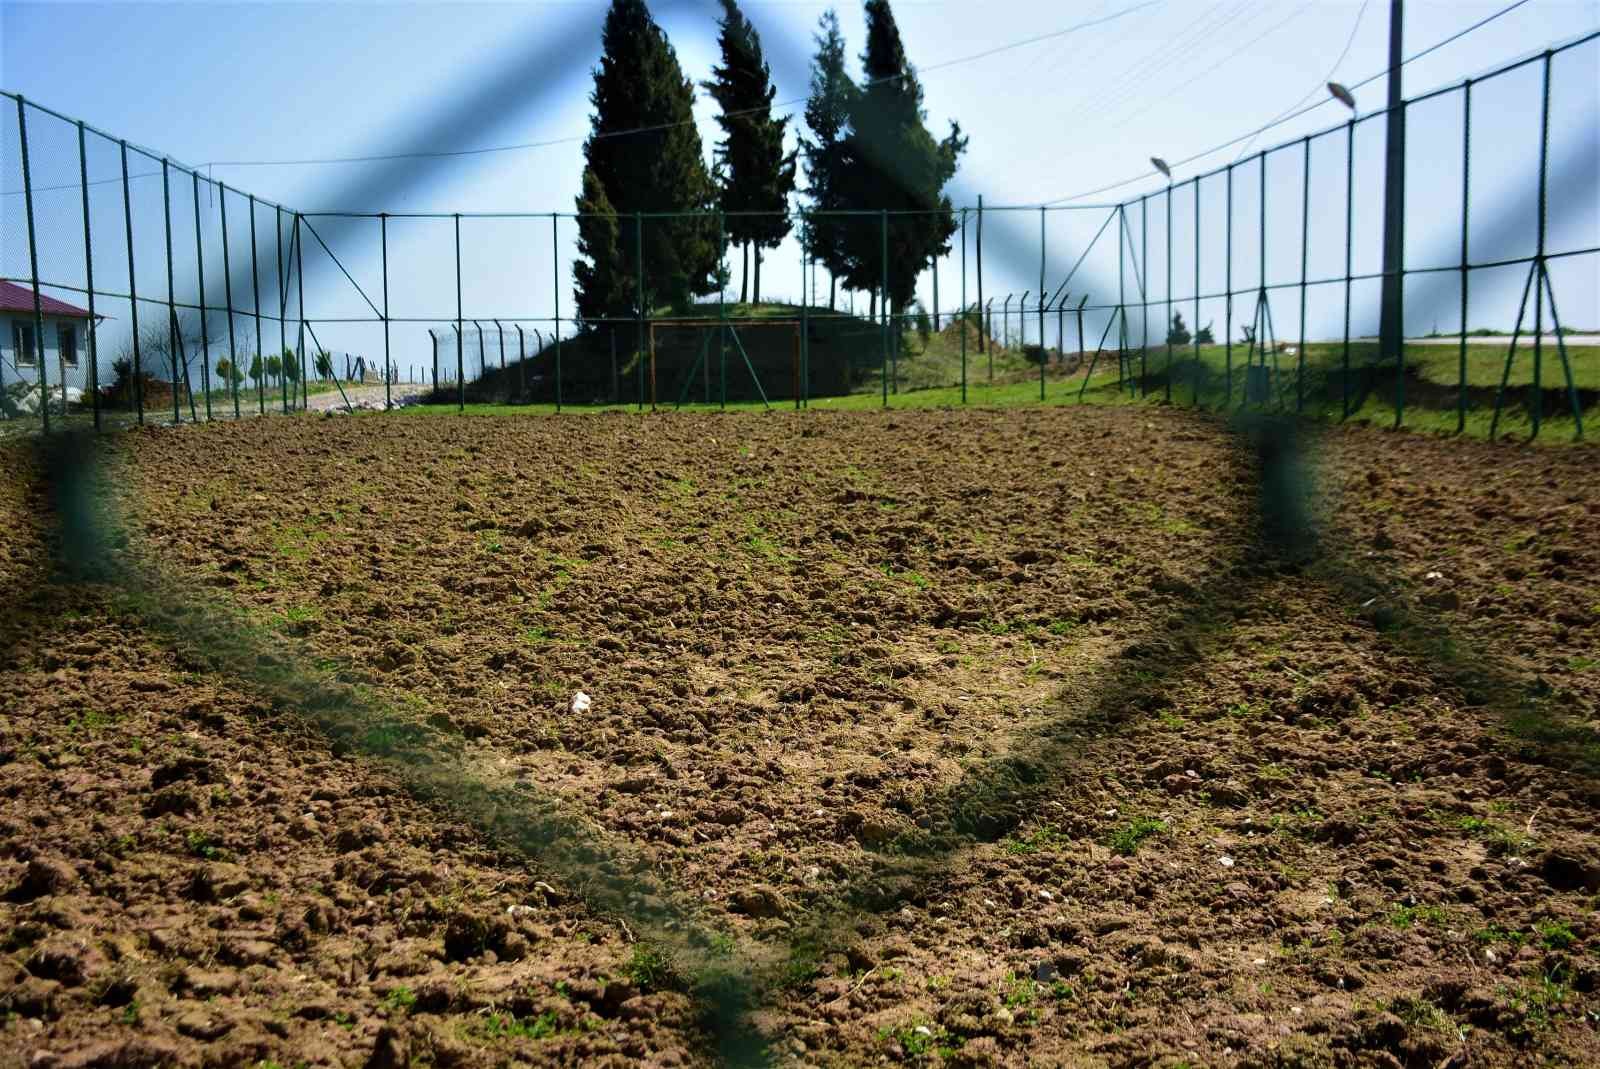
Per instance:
x=213, y=83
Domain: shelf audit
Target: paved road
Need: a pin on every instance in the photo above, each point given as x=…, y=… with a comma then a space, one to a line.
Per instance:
x=403, y=393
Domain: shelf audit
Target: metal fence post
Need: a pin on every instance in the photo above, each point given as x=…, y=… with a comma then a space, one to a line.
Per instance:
x=983, y=327
x=1262, y=330
x=1041, y=303
x=133, y=289
x=1305, y=243
x=1466, y=186
x=555, y=285
x=638, y=266
x=1195, y=329
x=883, y=303
x=383, y=240
x=172, y=312
x=805, y=305
x=722, y=304
x=433, y=364
x=300, y=306
x=500, y=336
x=962, y=321
x=1227, y=308
x=33, y=271
x=283, y=309
x=88, y=269
x=1144, y=304
x=1349, y=246
x=481, y=358
x=1397, y=206
x=234, y=374
x=461, y=375
x=1541, y=278
x=522, y=364
x=1123, y=362
x=1168, y=321
x=200, y=275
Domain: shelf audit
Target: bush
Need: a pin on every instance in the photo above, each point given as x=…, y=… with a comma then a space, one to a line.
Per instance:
x=1179, y=334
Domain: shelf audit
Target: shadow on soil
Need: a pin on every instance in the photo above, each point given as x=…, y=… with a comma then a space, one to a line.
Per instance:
x=987, y=804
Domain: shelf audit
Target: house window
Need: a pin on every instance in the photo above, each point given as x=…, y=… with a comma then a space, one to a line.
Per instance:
x=22, y=338
x=68, y=339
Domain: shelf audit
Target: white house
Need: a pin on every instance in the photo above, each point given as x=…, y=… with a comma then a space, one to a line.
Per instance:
x=65, y=349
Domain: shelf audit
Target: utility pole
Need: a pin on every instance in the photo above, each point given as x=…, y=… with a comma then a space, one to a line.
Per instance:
x=1391, y=326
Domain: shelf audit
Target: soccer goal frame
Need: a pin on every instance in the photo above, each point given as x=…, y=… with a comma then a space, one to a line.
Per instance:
x=714, y=329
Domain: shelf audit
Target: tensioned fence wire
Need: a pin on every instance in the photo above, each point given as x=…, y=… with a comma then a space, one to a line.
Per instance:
x=163, y=287
x=367, y=288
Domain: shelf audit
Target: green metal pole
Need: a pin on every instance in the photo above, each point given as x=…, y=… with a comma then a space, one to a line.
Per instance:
x=963, y=321
x=93, y=354
x=383, y=241
x=638, y=264
x=300, y=306
x=983, y=324
x=1395, y=309
x=805, y=302
x=1227, y=309
x=1169, y=294
x=1041, y=303
x=722, y=313
x=1349, y=246
x=1466, y=204
x=33, y=271
x=227, y=295
x=1144, y=306
x=1122, y=306
x=461, y=370
x=255, y=287
x=1305, y=243
x=200, y=274
x=1195, y=327
x=283, y=312
x=1542, y=272
x=172, y=312
x=555, y=283
x=883, y=304
x=133, y=289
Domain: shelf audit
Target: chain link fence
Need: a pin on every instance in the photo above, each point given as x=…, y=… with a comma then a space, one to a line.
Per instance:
x=163, y=295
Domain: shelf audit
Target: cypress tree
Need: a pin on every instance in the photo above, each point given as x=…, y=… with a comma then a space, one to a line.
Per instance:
x=644, y=154
x=828, y=117
x=601, y=272
x=757, y=176
x=892, y=162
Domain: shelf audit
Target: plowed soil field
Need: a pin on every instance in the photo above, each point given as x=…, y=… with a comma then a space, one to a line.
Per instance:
x=941, y=738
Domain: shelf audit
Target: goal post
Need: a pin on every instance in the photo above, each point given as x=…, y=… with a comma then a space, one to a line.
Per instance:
x=683, y=350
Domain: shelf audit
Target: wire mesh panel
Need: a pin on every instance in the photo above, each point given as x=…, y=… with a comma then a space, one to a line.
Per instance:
x=1264, y=272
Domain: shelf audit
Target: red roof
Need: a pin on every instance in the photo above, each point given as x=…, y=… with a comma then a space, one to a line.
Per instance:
x=15, y=298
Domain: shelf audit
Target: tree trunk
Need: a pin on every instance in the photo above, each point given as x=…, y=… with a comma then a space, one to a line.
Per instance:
x=872, y=305
x=833, y=292
x=758, y=275
x=744, y=281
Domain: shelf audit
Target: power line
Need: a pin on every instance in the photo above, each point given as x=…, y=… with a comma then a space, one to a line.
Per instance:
x=1319, y=86
x=1137, y=74
x=528, y=145
x=1295, y=115
x=1257, y=39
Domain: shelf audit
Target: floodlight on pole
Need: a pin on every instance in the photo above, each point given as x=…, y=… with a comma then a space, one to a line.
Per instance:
x=1161, y=165
x=1342, y=95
